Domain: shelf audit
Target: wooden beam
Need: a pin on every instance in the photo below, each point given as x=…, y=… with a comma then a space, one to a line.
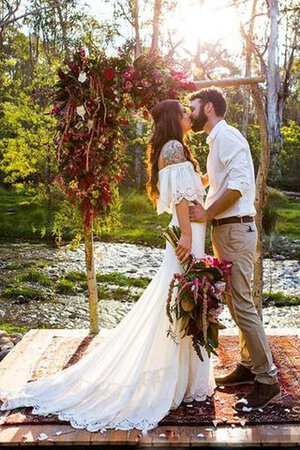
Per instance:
x=230, y=82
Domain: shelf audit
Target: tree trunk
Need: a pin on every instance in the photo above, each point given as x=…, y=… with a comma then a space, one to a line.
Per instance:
x=91, y=280
x=138, y=154
x=261, y=184
x=246, y=97
x=273, y=90
x=63, y=26
x=136, y=26
x=155, y=33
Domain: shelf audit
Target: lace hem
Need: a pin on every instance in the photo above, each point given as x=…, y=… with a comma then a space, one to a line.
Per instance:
x=189, y=194
x=77, y=423
x=42, y=410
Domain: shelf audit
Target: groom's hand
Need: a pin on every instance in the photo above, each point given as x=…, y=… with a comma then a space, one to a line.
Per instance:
x=198, y=213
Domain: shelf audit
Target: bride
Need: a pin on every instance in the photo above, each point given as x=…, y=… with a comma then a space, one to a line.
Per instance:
x=137, y=374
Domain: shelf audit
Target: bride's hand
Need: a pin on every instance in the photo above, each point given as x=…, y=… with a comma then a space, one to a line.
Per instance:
x=184, y=246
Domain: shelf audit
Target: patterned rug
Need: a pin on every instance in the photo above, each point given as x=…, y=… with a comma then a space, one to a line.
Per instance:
x=216, y=411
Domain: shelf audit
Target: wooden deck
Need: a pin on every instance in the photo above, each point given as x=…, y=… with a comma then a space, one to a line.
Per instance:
x=20, y=362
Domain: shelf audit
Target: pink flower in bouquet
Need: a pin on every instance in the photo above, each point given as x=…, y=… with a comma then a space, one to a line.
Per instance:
x=145, y=83
x=81, y=52
x=128, y=86
x=129, y=75
x=55, y=110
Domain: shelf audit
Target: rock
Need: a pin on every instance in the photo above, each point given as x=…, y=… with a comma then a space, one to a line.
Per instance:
x=4, y=340
x=7, y=346
x=16, y=335
x=279, y=258
x=3, y=333
x=3, y=353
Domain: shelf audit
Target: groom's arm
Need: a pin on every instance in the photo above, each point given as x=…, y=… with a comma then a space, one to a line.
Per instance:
x=227, y=199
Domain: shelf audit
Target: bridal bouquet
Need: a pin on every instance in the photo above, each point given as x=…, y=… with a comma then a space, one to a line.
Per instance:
x=199, y=298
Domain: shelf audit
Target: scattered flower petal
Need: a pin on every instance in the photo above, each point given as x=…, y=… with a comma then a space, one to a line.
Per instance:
x=243, y=423
x=42, y=437
x=245, y=409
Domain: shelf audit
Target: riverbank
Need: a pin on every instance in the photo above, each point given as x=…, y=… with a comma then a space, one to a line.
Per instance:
x=56, y=278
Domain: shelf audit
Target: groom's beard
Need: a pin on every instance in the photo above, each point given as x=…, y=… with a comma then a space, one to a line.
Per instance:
x=199, y=122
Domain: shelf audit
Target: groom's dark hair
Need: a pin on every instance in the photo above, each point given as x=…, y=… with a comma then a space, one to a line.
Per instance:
x=213, y=95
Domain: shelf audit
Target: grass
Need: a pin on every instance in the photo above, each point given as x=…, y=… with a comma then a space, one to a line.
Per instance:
x=75, y=276
x=280, y=299
x=9, y=328
x=34, y=275
x=140, y=223
x=123, y=280
x=19, y=216
x=17, y=266
x=66, y=287
x=289, y=219
x=30, y=293
x=120, y=293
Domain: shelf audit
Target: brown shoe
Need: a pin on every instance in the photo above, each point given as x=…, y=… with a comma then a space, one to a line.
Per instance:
x=240, y=375
x=261, y=395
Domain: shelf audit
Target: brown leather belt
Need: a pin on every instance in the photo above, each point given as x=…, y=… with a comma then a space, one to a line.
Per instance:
x=233, y=219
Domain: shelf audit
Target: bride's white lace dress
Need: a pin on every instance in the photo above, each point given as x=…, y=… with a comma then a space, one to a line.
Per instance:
x=136, y=374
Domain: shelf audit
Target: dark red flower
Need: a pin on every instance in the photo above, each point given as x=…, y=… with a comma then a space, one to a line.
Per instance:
x=74, y=67
x=61, y=74
x=109, y=73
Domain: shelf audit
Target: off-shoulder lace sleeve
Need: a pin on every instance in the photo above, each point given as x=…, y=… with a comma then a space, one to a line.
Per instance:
x=178, y=181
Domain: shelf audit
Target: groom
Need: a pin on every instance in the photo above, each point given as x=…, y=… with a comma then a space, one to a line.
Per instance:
x=230, y=209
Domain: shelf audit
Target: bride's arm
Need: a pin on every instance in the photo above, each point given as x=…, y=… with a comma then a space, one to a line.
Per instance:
x=184, y=246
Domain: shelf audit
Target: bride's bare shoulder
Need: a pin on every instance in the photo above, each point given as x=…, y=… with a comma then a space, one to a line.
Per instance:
x=171, y=153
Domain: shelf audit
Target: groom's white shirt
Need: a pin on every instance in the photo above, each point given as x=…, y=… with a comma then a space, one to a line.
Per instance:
x=230, y=166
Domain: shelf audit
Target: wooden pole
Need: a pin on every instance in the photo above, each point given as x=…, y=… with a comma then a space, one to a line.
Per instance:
x=91, y=279
x=261, y=184
x=230, y=82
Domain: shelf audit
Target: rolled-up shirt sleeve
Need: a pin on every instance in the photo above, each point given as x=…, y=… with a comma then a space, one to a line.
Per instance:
x=234, y=155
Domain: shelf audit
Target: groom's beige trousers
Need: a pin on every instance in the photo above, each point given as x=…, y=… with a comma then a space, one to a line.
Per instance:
x=236, y=243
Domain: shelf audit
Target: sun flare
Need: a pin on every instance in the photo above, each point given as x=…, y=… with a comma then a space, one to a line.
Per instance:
x=207, y=22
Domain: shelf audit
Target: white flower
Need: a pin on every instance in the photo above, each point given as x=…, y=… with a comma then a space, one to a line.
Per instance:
x=42, y=437
x=90, y=124
x=82, y=77
x=80, y=111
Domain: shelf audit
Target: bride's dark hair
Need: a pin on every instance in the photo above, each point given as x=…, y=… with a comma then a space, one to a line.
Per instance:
x=166, y=115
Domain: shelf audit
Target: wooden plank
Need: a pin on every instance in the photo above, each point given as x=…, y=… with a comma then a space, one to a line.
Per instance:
x=18, y=366
x=230, y=82
x=168, y=436
x=102, y=438
x=280, y=435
